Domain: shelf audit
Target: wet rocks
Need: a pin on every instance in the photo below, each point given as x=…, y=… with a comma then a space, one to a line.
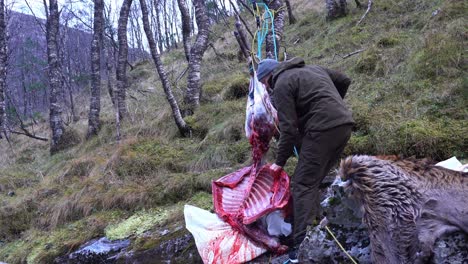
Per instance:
x=96, y=251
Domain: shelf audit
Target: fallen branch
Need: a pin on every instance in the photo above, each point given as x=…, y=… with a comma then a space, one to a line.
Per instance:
x=369, y=4
x=347, y=55
x=26, y=133
x=181, y=75
x=22, y=125
x=214, y=49
x=352, y=53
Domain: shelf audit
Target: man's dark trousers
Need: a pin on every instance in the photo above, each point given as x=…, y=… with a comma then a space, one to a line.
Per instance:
x=319, y=152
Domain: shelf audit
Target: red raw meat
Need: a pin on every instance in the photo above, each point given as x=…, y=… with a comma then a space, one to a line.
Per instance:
x=253, y=196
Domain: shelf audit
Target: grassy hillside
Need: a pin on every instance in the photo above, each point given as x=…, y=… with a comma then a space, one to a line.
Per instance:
x=409, y=96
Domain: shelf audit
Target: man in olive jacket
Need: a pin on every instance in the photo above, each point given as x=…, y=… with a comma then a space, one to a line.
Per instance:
x=309, y=101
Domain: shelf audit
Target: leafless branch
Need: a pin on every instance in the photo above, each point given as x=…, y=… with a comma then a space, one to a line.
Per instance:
x=22, y=126
x=181, y=75
x=26, y=133
x=91, y=28
x=246, y=6
x=352, y=53
x=369, y=5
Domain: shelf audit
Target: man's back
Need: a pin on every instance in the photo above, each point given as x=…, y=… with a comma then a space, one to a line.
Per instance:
x=309, y=94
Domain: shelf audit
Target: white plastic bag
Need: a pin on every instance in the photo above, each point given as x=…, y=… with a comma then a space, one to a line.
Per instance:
x=275, y=225
x=453, y=164
x=216, y=241
x=258, y=106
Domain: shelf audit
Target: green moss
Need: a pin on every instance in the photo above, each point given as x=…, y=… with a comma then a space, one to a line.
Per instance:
x=202, y=181
x=141, y=72
x=388, y=41
x=367, y=62
x=215, y=117
x=439, y=139
x=69, y=139
x=212, y=88
x=79, y=168
x=149, y=156
x=233, y=86
x=144, y=243
x=16, y=217
x=202, y=200
x=237, y=87
x=137, y=224
x=359, y=144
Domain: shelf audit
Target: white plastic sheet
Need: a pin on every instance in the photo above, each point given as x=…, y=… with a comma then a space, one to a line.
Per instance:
x=216, y=241
x=453, y=164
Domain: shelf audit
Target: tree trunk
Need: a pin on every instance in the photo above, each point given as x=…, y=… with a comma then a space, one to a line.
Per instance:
x=241, y=38
x=334, y=9
x=175, y=31
x=108, y=66
x=343, y=7
x=139, y=36
x=166, y=29
x=55, y=114
x=358, y=4
x=122, y=59
x=3, y=57
x=292, y=19
x=185, y=16
x=279, y=25
x=240, y=17
x=94, y=123
x=183, y=128
x=192, y=96
x=158, y=29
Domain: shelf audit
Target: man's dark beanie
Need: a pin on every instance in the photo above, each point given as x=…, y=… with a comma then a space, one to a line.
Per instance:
x=265, y=67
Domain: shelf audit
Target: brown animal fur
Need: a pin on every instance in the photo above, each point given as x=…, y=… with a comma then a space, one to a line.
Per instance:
x=407, y=204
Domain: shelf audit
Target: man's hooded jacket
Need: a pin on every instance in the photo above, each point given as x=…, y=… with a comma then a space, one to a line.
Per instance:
x=307, y=98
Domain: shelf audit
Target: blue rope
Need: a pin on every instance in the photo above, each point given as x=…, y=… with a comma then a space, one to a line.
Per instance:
x=264, y=29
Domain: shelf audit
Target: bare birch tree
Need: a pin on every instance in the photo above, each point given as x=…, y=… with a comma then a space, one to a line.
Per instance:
x=158, y=29
x=122, y=59
x=183, y=128
x=3, y=58
x=55, y=90
x=96, y=47
x=192, y=95
x=185, y=16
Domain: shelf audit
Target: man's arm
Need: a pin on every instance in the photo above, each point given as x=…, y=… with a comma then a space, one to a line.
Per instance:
x=287, y=116
x=340, y=80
